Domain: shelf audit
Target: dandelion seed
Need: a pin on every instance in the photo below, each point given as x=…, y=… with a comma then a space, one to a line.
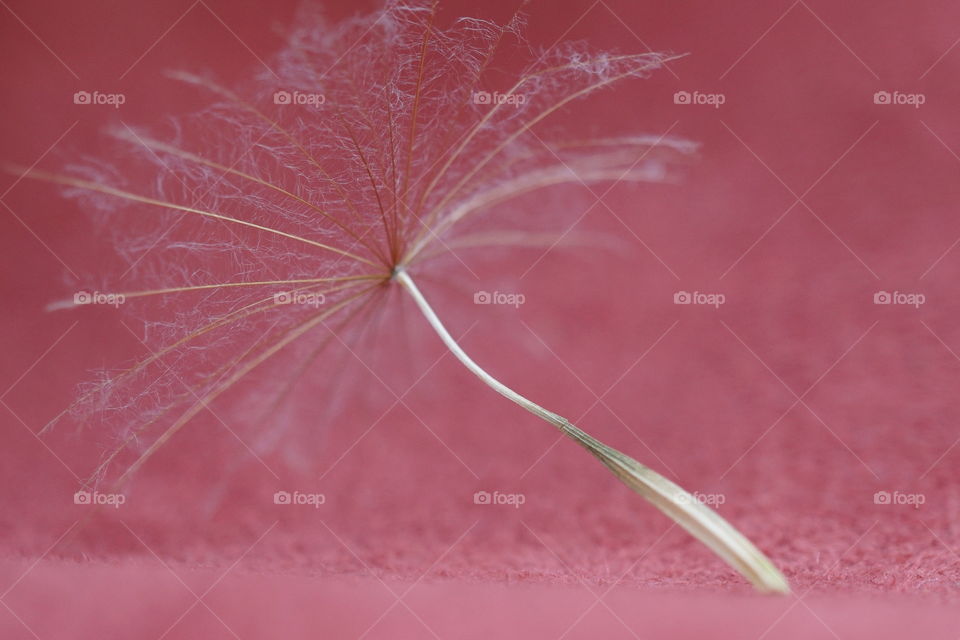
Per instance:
x=341, y=197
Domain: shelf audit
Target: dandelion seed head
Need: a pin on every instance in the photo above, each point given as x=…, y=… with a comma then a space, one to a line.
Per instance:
x=377, y=143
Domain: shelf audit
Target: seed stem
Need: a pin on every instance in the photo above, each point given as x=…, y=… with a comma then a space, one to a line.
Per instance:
x=685, y=509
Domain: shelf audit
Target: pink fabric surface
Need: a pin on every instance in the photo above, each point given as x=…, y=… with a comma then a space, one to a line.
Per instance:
x=797, y=400
x=145, y=602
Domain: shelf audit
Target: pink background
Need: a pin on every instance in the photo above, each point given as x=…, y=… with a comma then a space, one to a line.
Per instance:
x=797, y=400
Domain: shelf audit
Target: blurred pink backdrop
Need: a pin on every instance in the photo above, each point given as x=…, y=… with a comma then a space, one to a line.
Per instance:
x=797, y=400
